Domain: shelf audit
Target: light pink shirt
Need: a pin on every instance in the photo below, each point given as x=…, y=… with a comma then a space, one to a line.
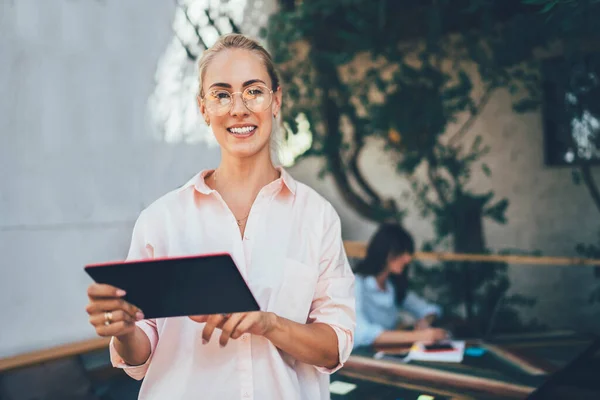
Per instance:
x=292, y=257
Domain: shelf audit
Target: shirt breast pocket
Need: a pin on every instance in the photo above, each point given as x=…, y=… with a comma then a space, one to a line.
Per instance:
x=297, y=290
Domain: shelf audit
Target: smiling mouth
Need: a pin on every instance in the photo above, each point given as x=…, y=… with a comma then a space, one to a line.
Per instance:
x=242, y=131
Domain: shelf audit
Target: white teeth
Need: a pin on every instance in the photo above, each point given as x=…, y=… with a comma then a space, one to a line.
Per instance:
x=241, y=131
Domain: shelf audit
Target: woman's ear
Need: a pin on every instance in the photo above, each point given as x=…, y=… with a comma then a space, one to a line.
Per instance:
x=203, y=110
x=200, y=104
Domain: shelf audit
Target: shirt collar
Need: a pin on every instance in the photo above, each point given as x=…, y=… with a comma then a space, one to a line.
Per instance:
x=287, y=180
x=372, y=285
x=199, y=183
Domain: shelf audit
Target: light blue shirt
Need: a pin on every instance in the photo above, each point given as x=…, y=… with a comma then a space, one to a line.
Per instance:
x=376, y=309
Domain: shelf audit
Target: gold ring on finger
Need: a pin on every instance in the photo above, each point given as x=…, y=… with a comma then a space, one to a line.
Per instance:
x=107, y=318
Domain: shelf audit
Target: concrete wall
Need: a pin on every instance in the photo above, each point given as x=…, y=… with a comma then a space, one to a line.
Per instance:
x=78, y=159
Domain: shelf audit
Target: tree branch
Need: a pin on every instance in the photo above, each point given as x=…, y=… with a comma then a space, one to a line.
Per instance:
x=328, y=79
x=196, y=30
x=359, y=127
x=188, y=52
x=434, y=182
x=358, y=146
x=357, y=173
x=211, y=22
x=337, y=168
x=234, y=26
x=473, y=117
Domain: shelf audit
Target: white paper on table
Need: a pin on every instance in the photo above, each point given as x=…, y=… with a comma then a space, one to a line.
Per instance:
x=418, y=353
x=341, y=388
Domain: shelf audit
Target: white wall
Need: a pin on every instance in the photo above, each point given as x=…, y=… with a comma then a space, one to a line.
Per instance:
x=78, y=160
x=547, y=211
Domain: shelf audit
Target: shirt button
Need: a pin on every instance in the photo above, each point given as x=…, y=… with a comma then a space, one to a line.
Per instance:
x=245, y=337
x=246, y=394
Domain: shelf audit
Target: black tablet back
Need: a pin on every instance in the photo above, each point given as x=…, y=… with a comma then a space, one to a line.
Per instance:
x=171, y=287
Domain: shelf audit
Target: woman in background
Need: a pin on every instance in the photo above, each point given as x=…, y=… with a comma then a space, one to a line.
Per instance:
x=382, y=292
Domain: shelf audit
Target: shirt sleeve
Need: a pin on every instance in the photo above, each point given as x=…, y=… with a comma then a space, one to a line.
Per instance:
x=140, y=249
x=366, y=331
x=136, y=371
x=419, y=307
x=334, y=303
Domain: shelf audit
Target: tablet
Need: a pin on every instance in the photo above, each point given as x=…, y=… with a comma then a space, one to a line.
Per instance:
x=179, y=286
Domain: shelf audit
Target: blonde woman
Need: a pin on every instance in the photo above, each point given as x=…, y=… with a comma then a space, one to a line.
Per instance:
x=284, y=237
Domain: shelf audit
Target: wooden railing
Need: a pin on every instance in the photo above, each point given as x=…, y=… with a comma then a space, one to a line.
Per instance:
x=358, y=250
x=54, y=353
x=353, y=249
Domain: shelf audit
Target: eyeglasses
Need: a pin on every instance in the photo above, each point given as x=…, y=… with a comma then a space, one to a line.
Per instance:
x=256, y=98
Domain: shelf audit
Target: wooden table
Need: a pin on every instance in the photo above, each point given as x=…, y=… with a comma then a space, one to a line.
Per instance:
x=511, y=367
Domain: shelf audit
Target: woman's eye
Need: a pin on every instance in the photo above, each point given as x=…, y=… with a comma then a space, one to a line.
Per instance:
x=255, y=92
x=222, y=95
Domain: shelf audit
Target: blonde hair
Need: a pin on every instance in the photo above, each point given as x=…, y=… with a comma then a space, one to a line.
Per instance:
x=239, y=41
x=236, y=41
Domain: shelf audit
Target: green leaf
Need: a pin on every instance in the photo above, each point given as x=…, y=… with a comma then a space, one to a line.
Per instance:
x=497, y=211
x=526, y=105
x=475, y=147
x=486, y=170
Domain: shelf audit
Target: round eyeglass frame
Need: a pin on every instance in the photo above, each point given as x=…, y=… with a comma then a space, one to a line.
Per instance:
x=228, y=108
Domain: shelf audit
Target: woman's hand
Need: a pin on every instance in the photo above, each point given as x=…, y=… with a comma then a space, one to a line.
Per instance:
x=425, y=322
x=109, y=314
x=431, y=335
x=313, y=343
x=422, y=324
x=235, y=325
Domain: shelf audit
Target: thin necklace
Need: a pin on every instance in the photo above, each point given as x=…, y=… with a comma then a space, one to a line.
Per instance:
x=240, y=221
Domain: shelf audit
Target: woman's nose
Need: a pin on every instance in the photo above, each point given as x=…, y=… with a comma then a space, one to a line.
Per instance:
x=238, y=107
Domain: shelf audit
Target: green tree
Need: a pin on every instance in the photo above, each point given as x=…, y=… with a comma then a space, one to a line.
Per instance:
x=421, y=62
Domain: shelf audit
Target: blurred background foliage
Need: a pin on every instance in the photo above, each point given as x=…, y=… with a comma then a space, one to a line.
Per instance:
x=401, y=73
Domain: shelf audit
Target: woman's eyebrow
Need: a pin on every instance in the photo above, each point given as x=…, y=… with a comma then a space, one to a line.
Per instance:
x=253, y=81
x=226, y=85
x=247, y=83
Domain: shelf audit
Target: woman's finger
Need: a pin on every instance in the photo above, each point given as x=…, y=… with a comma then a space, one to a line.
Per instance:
x=441, y=334
x=245, y=325
x=229, y=327
x=212, y=322
x=101, y=290
x=199, y=318
x=113, y=317
x=98, y=306
x=422, y=324
x=115, y=329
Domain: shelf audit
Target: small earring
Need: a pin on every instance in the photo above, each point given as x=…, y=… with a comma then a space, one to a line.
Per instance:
x=207, y=122
x=274, y=115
